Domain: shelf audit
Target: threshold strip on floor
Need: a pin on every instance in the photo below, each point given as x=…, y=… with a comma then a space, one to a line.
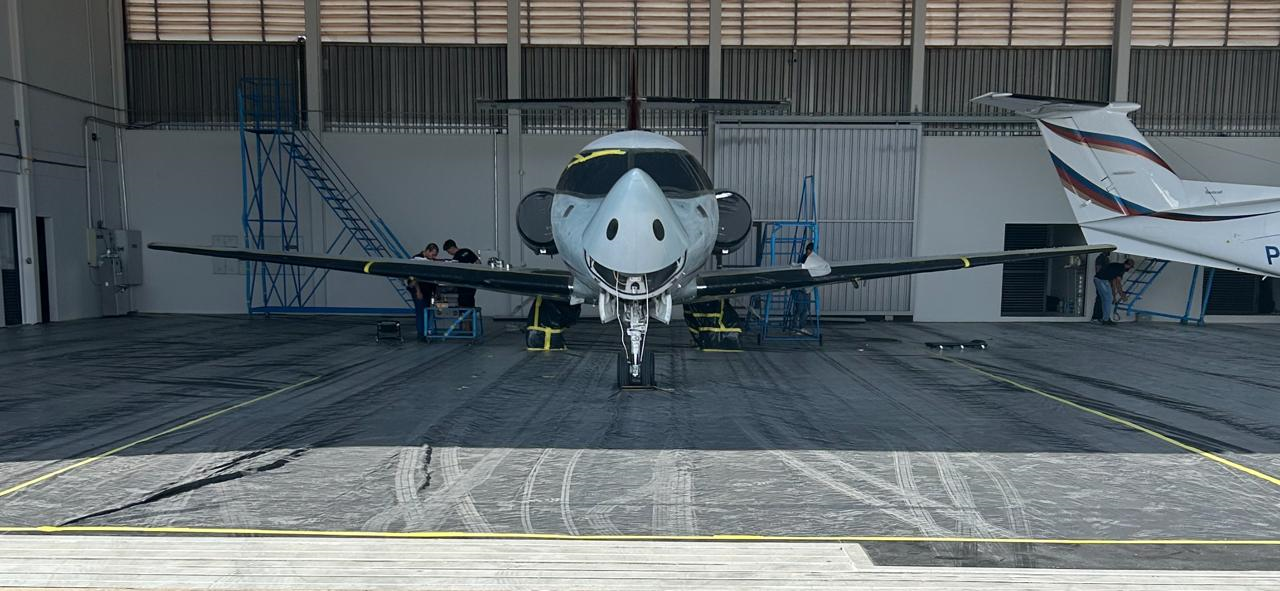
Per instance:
x=1132, y=425
x=191, y=423
x=447, y=535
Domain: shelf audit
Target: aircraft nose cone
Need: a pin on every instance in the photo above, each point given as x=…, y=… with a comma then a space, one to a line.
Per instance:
x=635, y=231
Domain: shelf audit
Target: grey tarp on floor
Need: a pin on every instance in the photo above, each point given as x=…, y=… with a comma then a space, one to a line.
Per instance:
x=870, y=435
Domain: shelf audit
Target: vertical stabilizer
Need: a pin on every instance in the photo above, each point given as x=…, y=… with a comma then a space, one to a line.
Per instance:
x=1104, y=163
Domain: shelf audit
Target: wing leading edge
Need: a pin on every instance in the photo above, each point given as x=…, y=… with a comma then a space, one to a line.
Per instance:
x=748, y=281
x=552, y=284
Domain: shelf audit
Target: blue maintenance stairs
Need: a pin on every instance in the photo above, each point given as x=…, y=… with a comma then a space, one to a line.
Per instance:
x=1145, y=275
x=280, y=157
x=796, y=314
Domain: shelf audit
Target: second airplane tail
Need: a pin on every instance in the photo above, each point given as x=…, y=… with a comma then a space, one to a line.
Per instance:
x=1100, y=157
x=1123, y=193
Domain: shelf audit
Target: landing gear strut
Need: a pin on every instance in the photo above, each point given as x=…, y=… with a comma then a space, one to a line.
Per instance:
x=635, y=366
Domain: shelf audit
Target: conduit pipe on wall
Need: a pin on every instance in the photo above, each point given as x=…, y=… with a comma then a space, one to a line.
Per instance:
x=88, y=176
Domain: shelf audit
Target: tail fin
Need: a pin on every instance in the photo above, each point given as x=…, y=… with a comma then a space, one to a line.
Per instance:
x=1107, y=168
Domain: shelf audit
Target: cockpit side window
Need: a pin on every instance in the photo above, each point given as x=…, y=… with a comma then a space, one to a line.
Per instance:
x=592, y=174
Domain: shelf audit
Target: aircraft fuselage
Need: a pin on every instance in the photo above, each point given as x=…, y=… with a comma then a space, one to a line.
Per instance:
x=634, y=217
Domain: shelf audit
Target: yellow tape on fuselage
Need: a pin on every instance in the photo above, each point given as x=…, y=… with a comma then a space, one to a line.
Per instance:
x=580, y=158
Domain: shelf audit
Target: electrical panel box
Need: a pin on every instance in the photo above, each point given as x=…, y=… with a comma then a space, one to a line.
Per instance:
x=117, y=254
x=98, y=242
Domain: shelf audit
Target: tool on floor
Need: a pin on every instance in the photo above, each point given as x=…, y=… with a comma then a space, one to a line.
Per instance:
x=974, y=344
x=388, y=330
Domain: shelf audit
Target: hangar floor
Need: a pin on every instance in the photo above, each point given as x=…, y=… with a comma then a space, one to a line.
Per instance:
x=1063, y=445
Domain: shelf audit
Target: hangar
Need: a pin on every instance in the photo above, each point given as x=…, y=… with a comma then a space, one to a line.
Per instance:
x=207, y=422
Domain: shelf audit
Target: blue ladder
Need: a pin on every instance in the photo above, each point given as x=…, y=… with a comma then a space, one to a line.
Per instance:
x=792, y=315
x=278, y=152
x=1136, y=287
x=361, y=223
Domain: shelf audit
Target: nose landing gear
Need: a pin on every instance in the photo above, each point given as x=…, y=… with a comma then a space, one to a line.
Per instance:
x=635, y=365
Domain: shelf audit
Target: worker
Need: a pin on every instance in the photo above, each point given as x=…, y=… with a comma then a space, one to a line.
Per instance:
x=1108, y=283
x=799, y=319
x=1098, y=262
x=424, y=293
x=466, y=295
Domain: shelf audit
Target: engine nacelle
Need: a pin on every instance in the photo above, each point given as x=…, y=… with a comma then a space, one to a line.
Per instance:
x=533, y=221
x=735, y=221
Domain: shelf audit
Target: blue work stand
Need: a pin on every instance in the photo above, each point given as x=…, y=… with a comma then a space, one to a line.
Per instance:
x=447, y=324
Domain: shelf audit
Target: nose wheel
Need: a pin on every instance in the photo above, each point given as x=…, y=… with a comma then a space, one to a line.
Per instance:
x=644, y=378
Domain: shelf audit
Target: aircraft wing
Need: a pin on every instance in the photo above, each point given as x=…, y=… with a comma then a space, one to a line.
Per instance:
x=719, y=284
x=549, y=283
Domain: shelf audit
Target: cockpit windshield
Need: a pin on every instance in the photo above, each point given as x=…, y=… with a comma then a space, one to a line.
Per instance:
x=592, y=174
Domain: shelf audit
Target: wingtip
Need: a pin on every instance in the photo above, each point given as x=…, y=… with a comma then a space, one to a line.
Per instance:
x=990, y=95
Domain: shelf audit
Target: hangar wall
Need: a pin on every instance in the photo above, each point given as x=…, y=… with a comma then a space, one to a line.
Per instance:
x=70, y=48
x=432, y=187
x=422, y=154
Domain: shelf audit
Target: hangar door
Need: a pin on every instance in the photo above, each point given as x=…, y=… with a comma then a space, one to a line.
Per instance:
x=866, y=179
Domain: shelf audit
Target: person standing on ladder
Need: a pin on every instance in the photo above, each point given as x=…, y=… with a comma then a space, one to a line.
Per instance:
x=1108, y=283
x=800, y=298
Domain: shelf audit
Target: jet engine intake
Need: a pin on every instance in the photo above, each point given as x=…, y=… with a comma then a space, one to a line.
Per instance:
x=735, y=221
x=533, y=221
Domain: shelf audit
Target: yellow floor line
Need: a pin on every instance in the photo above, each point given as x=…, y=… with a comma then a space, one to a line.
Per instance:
x=1132, y=425
x=445, y=535
x=89, y=460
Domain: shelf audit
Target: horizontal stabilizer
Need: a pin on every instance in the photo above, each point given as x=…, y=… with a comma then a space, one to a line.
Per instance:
x=1044, y=106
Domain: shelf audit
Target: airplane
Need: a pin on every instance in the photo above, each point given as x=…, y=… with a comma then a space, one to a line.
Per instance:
x=1123, y=193
x=635, y=219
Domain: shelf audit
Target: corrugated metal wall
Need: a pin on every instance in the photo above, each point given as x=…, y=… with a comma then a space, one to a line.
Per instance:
x=953, y=75
x=866, y=179
x=577, y=72
x=1192, y=91
x=193, y=85
x=420, y=88
x=435, y=88
x=821, y=81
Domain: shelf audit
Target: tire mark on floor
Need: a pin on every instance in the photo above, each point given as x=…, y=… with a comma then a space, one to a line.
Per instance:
x=795, y=463
x=964, y=507
x=526, y=491
x=566, y=485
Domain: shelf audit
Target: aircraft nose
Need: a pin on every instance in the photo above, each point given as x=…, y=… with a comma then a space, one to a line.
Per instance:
x=636, y=230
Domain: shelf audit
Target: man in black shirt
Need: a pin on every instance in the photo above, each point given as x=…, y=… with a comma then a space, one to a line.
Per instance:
x=466, y=295
x=1099, y=262
x=1108, y=283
